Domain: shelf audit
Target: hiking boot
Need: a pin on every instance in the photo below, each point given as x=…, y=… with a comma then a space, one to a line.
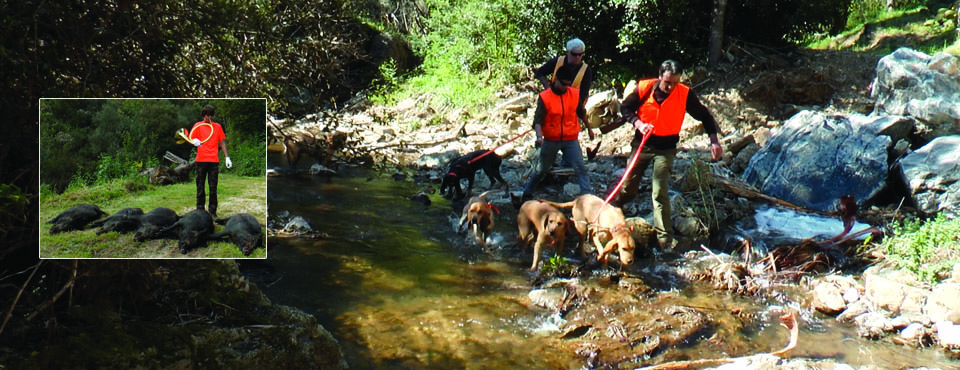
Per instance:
x=668, y=244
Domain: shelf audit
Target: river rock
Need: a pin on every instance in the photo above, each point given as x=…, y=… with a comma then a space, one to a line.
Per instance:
x=943, y=304
x=913, y=333
x=853, y=310
x=894, y=290
x=813, y=159
x=896, y=127
x=873, y=325
x=932, y=175
x=436, y=159
x=911, y=83
x=297, y=224
x=948, y=334
x=828, y=298
x=549, y=298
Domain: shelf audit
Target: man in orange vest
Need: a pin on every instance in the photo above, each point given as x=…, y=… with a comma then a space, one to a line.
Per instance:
x=208, y=137
x=660, y=105
x=557, y=123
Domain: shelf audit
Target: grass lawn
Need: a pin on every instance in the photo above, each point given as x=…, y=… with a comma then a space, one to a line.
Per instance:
x=235, y=195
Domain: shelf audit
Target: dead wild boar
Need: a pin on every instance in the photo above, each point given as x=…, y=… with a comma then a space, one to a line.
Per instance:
x=75, y=218
x=195, y=227
x=244, y=231
x=152, y=222
x=123, y=221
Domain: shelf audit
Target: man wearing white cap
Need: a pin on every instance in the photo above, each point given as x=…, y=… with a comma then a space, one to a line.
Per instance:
x=574, y=57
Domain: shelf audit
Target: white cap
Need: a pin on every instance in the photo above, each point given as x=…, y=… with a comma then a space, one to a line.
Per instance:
x=575, y=45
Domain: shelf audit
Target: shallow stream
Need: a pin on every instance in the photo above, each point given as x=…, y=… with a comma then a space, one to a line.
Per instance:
x=399, y=289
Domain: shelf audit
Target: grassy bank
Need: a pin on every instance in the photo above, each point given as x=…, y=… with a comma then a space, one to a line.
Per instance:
x=235, y=195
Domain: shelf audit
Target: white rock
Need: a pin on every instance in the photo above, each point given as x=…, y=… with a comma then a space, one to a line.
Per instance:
x=948, y=334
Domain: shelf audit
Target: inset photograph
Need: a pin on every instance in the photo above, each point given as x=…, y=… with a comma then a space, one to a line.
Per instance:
x=152, y=178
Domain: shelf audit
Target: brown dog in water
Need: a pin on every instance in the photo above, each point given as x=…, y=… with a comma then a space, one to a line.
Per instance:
x=611, y=227
x=478, y=215
x=550, y=225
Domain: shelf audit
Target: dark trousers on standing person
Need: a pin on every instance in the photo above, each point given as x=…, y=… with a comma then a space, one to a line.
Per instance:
x=662, y=161
x=205, y=171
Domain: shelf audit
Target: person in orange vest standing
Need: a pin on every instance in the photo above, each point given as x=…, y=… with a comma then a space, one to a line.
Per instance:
x=557, y=124
x=582, y=74
x=208, y=137
x=659, y=105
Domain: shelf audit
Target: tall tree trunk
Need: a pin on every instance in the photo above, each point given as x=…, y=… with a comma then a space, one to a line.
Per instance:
x=716, y=33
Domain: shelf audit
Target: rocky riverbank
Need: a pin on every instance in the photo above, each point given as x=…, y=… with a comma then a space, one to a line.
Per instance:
x=779, y=100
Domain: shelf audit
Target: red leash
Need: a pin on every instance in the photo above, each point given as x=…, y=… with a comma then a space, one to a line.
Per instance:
x=498, y=147
x=630, y=166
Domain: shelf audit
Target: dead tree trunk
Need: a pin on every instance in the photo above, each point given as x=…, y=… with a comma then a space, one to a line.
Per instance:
x=716, y=33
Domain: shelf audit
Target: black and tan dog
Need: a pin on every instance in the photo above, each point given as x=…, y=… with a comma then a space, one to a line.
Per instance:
x=478, y=216
x=466, y=167
x=549, y=223
x=608, y=231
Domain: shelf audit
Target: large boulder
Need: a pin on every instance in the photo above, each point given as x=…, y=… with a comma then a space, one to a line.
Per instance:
x=911, y=83
x=932, y=175
x=813, y=159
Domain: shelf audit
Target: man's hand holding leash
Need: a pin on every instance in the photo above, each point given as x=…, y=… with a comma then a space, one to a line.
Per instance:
x=643, y=127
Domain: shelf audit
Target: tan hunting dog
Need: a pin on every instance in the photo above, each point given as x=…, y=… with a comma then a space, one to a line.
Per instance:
x=478, y=216
x=550, y=225
x=611, y=227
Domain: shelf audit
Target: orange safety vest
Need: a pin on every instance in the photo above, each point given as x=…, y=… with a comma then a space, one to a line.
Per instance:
x=666, y=118
x=576, y=80
x=561, y=121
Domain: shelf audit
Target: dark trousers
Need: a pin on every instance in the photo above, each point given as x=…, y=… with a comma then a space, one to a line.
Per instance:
x=211, y=171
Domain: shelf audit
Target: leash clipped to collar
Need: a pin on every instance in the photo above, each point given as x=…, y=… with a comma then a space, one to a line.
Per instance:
x=498, y=147
x=184, y=137
x=633, y=163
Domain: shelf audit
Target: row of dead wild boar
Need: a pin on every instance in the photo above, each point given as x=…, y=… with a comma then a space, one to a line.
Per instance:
x=193, y=228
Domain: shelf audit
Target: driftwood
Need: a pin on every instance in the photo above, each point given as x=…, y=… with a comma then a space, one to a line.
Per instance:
x=454, y=136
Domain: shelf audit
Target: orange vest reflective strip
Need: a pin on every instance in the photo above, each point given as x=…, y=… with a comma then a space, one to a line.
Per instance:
x=667, y=118
x=561, y=121
x=576, y=81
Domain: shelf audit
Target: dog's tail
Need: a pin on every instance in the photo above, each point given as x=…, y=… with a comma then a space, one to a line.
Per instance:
x=483, y=196
x=567, y=205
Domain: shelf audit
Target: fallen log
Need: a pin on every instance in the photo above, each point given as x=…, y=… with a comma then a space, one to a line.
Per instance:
x=744, y=190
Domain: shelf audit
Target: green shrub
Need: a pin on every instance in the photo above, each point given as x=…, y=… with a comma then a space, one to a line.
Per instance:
x=926, y=248
x=249, y=157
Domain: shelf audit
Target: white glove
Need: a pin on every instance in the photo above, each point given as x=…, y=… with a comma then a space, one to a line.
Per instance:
x=196, y=142
x=229, y=163
x=643, y=127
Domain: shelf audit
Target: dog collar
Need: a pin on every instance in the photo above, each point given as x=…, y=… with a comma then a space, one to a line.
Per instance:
x=451, y=174
x=494, y=208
